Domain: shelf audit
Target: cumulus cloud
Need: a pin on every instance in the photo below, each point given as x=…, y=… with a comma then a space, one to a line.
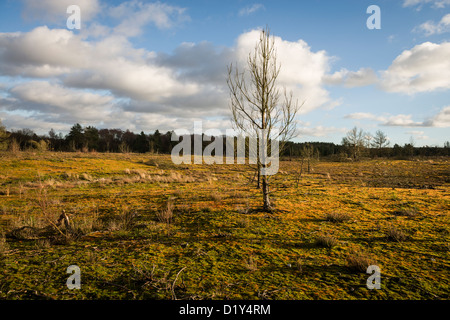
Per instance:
x=424, y=68
x=57, y=102
x=418, y=135
x=302, y=70
x=440, y=120
x=319, y=131
x=365, y=116
x=188, y=83
x=351, y=79
x=430, y=27
x=251, y=9
x=110, y=64
x=134, y=15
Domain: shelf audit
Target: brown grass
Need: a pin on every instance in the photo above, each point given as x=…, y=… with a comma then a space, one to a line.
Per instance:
x=359, y=262
x=326, y=241
x=165, y=215
x=337, y=217
x=395, y=234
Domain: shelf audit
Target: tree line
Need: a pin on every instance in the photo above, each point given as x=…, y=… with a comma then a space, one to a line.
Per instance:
x=355, y=145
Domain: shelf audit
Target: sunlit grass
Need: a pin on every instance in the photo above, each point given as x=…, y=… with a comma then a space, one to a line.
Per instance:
x=137, y=220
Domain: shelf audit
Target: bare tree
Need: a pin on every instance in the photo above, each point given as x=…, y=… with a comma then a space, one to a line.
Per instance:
x=257, y=106
x=354, y=140
x=380, y=140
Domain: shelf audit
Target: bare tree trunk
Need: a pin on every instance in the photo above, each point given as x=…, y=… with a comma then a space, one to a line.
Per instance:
x=266, y=199
x=259, y=178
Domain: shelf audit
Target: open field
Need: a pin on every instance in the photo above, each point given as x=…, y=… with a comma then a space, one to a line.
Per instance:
x=143, y=228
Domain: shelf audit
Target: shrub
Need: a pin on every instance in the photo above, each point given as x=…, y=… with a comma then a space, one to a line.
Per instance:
x=407, y=212
x=359, y=262
x=337, y=217
x=326, y=241
x=215, y=196
x=395, y=234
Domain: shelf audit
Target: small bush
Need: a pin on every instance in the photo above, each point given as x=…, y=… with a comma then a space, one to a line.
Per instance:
x=395, y=234
x=215, y=196
x=326, y=241
x=407, y=212
x=337, y=217
x=359, y=262
x=86, y=177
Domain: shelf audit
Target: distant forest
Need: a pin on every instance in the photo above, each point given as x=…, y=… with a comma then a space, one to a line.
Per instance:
x=91, y=139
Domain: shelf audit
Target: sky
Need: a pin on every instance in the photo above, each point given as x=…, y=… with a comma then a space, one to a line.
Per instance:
x=145, y=65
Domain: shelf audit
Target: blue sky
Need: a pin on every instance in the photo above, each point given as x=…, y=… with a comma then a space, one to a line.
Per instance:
x=146, y=65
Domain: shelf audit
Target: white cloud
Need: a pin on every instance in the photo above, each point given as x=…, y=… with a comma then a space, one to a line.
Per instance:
x=434, y=3
x=351, y=79
x=430, y=27
x=59, y=102
x=302, y=70
x=401, y=120
x=141, y=84
x=109, y=64
x=319, y=131
x=440, y=120
x=251, y=9
x=134, y=15
x=418, y=135
x=424, y=68
x=365, y=116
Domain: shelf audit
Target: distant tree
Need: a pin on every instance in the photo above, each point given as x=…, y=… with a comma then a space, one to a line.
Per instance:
x=75, y=138
x=156, y=142
x=105, y=140
x=91, y=138
x=368, y=139
x=354, y=141
x=447, y=144
x=380, y=140
x=408, y=149
x=308, y=154
x=56, y=141
x=23, y=138
x=141, y=143
x=3, y=137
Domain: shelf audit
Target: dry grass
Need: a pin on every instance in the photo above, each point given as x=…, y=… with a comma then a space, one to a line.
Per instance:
x=395, y=234
x=4, y=247
x=326, y=241
x=407, y=212
x=359, y=262
x=215, y=196
x=251, y=262
x=165, y=215
x=337, y=217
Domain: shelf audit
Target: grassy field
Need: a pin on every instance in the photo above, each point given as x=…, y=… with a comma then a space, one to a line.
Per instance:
x=143, y=228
